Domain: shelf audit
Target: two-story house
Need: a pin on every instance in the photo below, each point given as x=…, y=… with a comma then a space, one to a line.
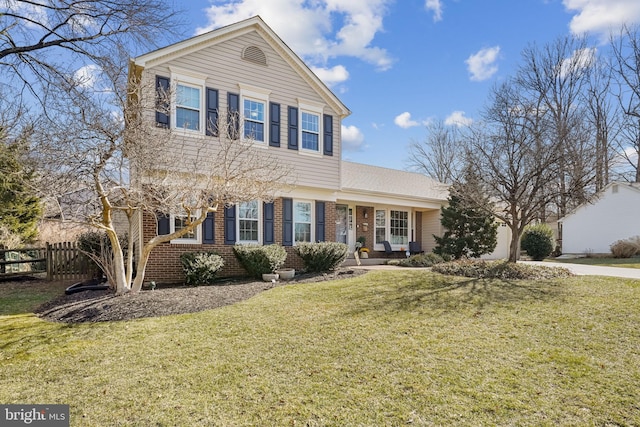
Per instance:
x=245, y=67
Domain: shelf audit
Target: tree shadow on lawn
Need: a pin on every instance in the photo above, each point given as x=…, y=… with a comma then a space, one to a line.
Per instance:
x=433, y=292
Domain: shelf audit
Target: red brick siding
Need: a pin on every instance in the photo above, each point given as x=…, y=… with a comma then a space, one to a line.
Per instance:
x=164, y=263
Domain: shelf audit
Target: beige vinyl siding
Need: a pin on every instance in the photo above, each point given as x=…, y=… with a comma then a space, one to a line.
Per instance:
x=430, y=226
x=225, y=69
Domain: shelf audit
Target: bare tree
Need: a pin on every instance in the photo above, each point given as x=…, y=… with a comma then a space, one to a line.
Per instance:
x=44, y=41
x=628, y=144
x=626, y=67
x=439, y=155
x=601, y=116
x=141, y=168
x=514, y=159
x=557, y=75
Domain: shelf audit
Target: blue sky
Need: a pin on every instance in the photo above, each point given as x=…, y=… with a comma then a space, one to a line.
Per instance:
x=400, y=64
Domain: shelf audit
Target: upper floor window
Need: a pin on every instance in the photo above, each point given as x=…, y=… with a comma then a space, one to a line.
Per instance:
x=188, y=107
x=254, y=120
x=310, y=131
x=254, y=113
x=302, y=220
x=249, y=221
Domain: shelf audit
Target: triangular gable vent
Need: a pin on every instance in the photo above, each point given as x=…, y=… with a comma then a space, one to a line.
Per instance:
x=254, y=54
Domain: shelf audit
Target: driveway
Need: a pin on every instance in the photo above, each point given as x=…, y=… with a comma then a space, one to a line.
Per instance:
x=592, y=270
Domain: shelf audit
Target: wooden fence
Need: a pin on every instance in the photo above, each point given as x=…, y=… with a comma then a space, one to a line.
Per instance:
x=59, y=261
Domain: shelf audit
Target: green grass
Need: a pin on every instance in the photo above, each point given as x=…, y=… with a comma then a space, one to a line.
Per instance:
x=609, y=262
x=22, y=297
x=387, y=348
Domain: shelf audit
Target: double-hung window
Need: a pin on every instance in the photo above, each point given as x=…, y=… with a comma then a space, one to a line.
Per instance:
x=188, y=107
x=188, y=100
x=254, y=120
x=302, y=220
x=310, y=131
x=255, y=113
x=249, y=221
x=179, y=222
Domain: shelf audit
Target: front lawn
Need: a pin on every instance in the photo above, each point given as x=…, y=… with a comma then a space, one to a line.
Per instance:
x=386, y=348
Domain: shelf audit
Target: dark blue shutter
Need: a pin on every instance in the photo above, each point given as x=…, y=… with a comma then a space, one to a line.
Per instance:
x=209, y=228
x=320, y=222
x=274, y=118
x=268, y=213
x=212, y=112
x=328, y=135
x=163, y=224
x=162, y=101
x=293, y=128
x=230, y=225
x=287, y=222
x=233, y=121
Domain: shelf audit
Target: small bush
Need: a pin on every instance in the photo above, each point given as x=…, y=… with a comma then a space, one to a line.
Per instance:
x=201, y=268
x=421, y=260
x=537, y=240
x=500, y=270
x=625, y=248
x=259, y=260
x=322, y=256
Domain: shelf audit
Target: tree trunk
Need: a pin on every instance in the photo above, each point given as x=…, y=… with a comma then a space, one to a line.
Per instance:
x=514, y=246
x=119, y=272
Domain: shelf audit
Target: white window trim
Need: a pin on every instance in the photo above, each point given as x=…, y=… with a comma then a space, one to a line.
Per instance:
x=182, y=240
x=387, y=227
x=193, y=79
x=313, y=220
x=260, y=222
x=259, y=94
x=312, y=108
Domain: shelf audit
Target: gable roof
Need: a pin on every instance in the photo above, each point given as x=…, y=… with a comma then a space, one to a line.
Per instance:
x=228, y=32
x=358, y=177
x=634, y=187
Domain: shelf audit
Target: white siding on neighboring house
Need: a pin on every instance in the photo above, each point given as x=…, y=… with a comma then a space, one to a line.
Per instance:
x=592, y=228
x=504, y=241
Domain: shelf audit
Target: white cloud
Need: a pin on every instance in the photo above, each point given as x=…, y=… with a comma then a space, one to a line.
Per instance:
x=602, y=16
x=404, y=120
x=352, y=138
x=87, y=76
x=436, y=7
x=482, y=64
x=317, y=30
x=331, y=76
x=582, y=58
x=36, y=14
x=457, y=118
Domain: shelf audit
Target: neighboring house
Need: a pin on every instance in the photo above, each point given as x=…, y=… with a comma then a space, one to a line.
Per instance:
x=247, y=67
x=593, y=227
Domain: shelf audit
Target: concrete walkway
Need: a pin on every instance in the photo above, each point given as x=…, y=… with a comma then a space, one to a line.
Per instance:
x=592, y=270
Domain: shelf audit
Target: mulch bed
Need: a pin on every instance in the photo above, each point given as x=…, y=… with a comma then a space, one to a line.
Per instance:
x=105, y=306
